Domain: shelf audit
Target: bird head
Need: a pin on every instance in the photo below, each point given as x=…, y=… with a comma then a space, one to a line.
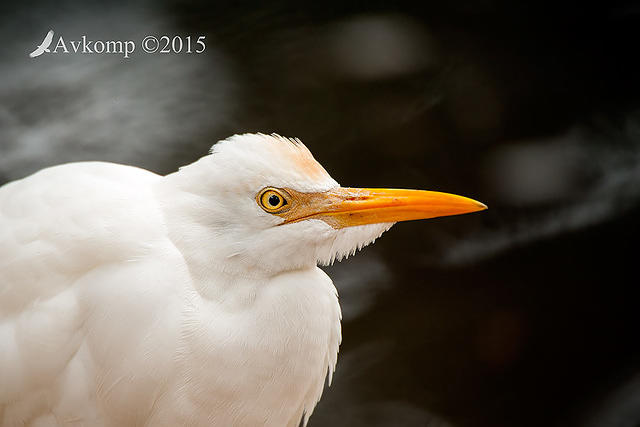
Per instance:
x=262, y=203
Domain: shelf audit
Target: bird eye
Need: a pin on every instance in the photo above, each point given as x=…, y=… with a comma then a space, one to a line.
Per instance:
x=272, y=200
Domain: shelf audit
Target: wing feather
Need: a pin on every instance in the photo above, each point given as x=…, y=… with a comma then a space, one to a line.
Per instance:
x=58, y=227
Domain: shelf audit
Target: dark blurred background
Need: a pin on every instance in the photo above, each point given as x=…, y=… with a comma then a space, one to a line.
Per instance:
x=522, y=315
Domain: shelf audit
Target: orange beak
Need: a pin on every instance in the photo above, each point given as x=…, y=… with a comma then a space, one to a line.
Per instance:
x=346, y=207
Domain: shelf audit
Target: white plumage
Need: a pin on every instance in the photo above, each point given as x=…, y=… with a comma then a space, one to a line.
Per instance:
x=129, y=298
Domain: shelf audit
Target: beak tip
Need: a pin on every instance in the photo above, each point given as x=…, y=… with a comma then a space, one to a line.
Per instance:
x=475, y=205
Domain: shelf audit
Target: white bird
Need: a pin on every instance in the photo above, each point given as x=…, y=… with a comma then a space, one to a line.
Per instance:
x=129, y=298
x=44, y=46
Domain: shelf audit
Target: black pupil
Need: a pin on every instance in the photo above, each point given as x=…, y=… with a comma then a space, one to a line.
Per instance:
x=274, y=200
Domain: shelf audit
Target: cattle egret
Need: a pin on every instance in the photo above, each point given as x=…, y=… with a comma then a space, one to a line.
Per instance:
x=130, y=298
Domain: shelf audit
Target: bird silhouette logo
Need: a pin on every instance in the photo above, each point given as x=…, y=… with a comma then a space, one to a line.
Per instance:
x=44, y=46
